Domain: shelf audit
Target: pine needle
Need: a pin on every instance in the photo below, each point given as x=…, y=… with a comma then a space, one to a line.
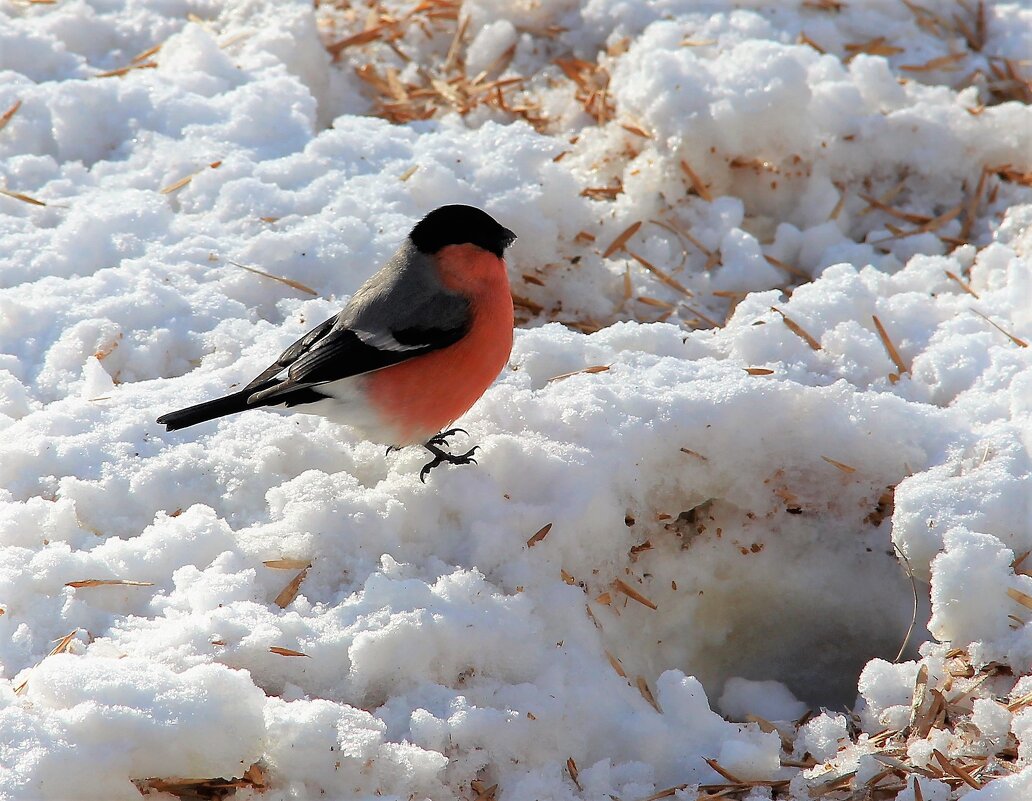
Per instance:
x=633, y=594
x=289, y=282
x=797, y=329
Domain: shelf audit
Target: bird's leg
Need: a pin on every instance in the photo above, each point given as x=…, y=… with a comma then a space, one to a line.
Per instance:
x=441, y=456
x=391, y=448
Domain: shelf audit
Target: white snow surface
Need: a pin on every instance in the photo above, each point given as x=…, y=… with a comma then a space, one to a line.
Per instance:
x=435, y=646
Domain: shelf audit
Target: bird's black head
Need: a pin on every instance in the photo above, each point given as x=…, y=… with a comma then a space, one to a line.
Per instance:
x=460, y=225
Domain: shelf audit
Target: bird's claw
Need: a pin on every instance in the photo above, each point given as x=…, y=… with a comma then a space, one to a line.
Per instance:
x=443, y=457
x=442, y=438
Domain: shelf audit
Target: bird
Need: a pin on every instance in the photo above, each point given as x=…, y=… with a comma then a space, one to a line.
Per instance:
x=411, y=351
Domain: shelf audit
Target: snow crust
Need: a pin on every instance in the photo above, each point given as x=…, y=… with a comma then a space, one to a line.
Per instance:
x=735, y=477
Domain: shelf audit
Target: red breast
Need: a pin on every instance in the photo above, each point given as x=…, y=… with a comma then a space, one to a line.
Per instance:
x=422, y=396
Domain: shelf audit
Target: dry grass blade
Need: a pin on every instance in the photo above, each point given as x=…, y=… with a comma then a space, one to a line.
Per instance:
x=954, y=769
x=637, y=130
x=622, y=586
x=571, y=767
x=108, y=583
x=723, y=771
x=913, y=583
x=23, y=198
x=946, y=63
x=961, y=283
x=845, y=468
x=621, y=240
x=655, y=302
x=920, y=692
x=602, y=192
x=617, y=665
x=646, y=693
x=539, y=535
x=788, y=268
x=884, y=201
x=971, y=212
x=669, y=792
x=1022, y=598
x=176, y=185
x=141, y=65
x=933, y=717
x=287, y=564
x=527, y=303
x=289, y=282
x=360, y=38
x=680, y=238
x=1019, y=342
x=598, y=368
x=834, y=783
x=936, y=223
x=759, y=371
x=892, y=211
x=705, y=318
x=797, y=329
x=1020, y=703
x=878, y=46
x=712, y=256
x=697, y=183
x=276, y=649
x=146, y=54
x=840, y=203
x=918, y=792
x=6, y=116
x=663, y=276
x=806, y=40
x=889, y=347
x=289, y=593
x=60, y=648
x=63, y=643
x=455, y=49
x=696, y=454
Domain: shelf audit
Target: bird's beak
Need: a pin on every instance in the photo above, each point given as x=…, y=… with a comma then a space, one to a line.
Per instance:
x=510, y=237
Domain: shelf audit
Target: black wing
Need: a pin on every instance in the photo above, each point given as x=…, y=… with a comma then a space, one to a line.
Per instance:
x=329, y=352
x=290, y=355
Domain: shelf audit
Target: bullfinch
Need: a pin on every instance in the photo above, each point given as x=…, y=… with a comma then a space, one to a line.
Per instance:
x=413, y=349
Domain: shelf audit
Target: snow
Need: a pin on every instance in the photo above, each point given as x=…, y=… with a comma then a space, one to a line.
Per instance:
x=770, y=497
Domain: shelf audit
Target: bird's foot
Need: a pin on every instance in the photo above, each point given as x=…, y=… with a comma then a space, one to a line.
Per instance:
x=443, y=457
x=442, y=438
x=391, y=448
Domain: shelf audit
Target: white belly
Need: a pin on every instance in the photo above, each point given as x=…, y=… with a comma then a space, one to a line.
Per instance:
x=347, y=406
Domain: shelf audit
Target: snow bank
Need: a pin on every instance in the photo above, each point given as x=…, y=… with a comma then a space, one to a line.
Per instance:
x=267, y=598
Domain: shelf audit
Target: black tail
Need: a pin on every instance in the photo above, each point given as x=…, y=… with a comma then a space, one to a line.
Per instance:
x=209, y=410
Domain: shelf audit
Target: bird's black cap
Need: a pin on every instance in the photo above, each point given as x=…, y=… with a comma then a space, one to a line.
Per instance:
x=460, y=225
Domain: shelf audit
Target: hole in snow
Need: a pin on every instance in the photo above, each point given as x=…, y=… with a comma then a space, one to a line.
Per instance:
x=806, y=595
